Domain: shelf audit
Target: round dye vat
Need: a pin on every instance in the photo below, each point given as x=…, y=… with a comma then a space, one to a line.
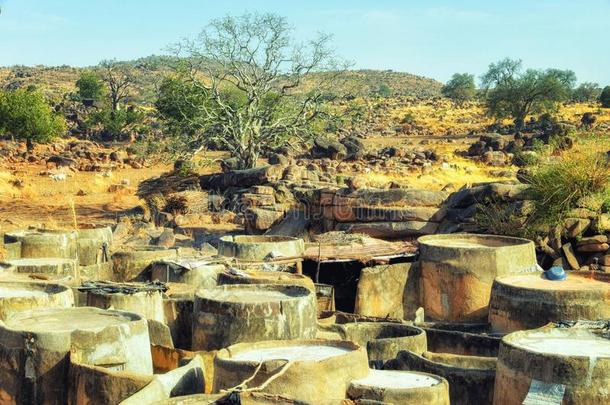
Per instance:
x=458, y=270
x=115, y=340
x=308, y=370
x=576, y=361
x=16, y=297
x=232, y=314
x=529, y=301
x=401, y=388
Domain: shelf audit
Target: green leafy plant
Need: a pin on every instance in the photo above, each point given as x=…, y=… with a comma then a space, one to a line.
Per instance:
x=558, y=185
x=460, y=88
x=90, y=86
x=25, y=114
x=511, y=92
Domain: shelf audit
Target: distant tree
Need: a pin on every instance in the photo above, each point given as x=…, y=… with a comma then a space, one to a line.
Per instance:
x=25, y=114
x=586, y=92
x=119, y=78
x=384, y=90
x=178, y=103
x=460, y=88
x=511, y=92
x=90, y=86
x=259, y=88
x=604, y=97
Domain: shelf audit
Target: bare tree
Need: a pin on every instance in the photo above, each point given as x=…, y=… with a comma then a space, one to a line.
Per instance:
x=257, y=88
x=119, y=79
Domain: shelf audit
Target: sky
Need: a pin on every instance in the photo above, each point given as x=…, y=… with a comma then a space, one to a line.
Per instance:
x=433, y=38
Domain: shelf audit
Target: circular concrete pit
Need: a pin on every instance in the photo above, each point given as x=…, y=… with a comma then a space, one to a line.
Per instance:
x=307, y=370
x=400, y=388
x=460, y=338
x=195, y=271
x=140, y=298
x=232, y=314
x=470, y=378
x=265, y=277
x=45, y=243
x=458, y=270
x=45, y=340
x=178, y=305
x=45, y=265
x=129, y=265
x=258, y=248
x=93, y=244
x=530, y=301
x=575, y=361
x=16, y=297
x=384, y=340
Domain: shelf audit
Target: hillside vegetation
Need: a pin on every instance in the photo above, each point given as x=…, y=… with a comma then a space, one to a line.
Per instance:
x=56, y=81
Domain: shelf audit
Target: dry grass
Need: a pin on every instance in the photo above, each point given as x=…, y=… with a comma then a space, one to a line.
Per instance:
x=56, y=204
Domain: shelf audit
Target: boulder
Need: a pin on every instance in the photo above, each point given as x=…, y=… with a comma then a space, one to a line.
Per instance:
x=390, y=230
x=261, y=219
x=574, y=227
x=354, y=146
x=326, y=148
x=601, y=224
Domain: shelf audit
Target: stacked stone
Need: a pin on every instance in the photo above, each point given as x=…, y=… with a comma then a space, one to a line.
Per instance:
x=383, y=213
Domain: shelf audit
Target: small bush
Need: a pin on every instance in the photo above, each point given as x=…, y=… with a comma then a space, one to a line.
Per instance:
x=90, y=86
x=25, y=114
x=460, y=88
x=557, y=186
x=115, y=124
x=409, y=118
x=502, y=218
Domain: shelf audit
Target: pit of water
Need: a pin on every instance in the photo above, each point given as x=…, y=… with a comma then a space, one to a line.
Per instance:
x=396, y=379
x=21, y=292
x=65, y=319
x=248, y=296
x=290, y=353
x=565, y=343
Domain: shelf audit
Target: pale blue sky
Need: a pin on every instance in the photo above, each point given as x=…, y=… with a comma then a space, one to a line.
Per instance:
x=434, y=38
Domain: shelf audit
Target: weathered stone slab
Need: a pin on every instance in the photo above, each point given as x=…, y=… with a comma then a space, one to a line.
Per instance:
x=389, y=214
x=389, y=229
x=390, y=197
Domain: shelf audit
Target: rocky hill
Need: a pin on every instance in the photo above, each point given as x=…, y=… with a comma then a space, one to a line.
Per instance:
x=56, y=81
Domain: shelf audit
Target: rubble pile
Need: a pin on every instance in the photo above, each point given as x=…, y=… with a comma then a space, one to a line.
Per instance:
x=581, y=242
x=496, y=149
x=73, y=155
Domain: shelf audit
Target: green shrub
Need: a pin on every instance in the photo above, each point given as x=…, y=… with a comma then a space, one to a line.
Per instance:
x=90, y=86
x=25, y=114
x=502, y=218
x=384, y=90
x=557, y=186
x=526, y=158
x=460, y=88
x=116, y=123
x=409, y=118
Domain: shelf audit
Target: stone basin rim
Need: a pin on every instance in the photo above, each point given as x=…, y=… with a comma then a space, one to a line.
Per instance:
x=503, y=242
x=257, y=239
x=226, y=354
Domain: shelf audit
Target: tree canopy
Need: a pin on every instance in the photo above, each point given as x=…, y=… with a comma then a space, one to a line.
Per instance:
x=25, y=114
x=460, y=88
x=586, y=92
x=90, y=86
x=514, y=93
x=248, y=86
